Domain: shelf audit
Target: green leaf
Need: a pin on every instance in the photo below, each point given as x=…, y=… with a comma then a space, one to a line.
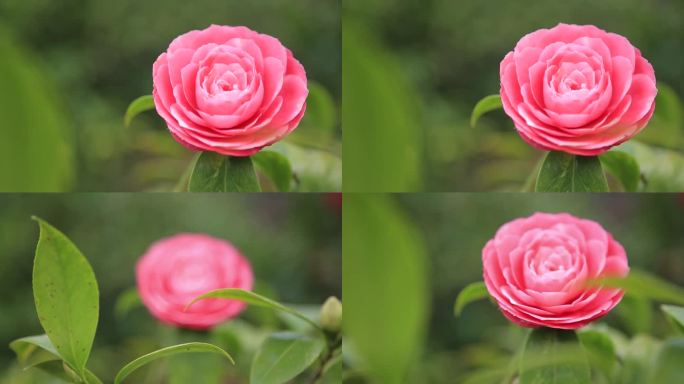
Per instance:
x=638, y=359
x=386, y=283
x=283, y=356
x=601, y=350
x=553, y=356
x=317, y=126
x=563, y=172
x=214, y=172
x=66, y=296
x=665, y=127
x=382, y=147
x=473, y=292
x=252, y=298
x=33, y=350
x=635, y=312
x=623, y=167
x=38, y=352
x=36, y=153
x=643, y=284
x=138, y=106
x=675, y=315
x=169, y=351
x=332, y=372
x=276, y=166
x=668, y=367
x=662, y=169
x=487, y=104
x=126, y=301
x=315, y=170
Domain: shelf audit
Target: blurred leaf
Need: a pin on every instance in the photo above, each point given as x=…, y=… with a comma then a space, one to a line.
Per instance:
x=283, y=356
x=66, y=296
x=126, y=301
x=38, y=352
x=35, y=154
x=251, y=298
x=635, y=312
x=168, y=351
x=601, y=351
x=138, y=106
x=666, y=127
x=669, y=367
x=643, y=284
x=276, y=166
x=382, y=144
x=623, y=167
x=663, y=169
x=675, y=315
x=332, y=373
x=196, y=368
x=563, y=172
x=214, y=172
x=317, y=126
x=314, y=169
x=551, y=343
x=384, y=286
x=473, y=292
x=487, y=104
x=638, y=360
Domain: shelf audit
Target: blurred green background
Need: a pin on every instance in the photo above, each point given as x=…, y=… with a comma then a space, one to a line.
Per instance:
x=293, y=242
x=417, y=251
x=70, y=68
x=414, y=69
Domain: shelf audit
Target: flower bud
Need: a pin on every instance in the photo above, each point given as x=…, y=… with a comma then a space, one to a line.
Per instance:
x=331, y=314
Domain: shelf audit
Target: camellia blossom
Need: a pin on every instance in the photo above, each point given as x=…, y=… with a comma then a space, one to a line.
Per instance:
x=229, y=90
x=577, y=89
x=177, y=269
x=538, y=268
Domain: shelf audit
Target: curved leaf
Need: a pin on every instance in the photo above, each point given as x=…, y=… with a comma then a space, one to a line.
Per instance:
x=138, y=106
x=646, y=285
x=553, y=356
x=623, y=167
x=662, y=169
x=668, y=363
x=563, y=172
x=169, y=351
x=276, y=166
x=66, y=296
x=486, y=104
x=36, y=152
x=33, y=350
x=385, y=284
x=283, y=356
x=676, y=316
x=315, y=170
x=250, y=297
x=382, y=140
x=38, y=352
x=473, y=292
x=318, y=124
x=601, y=350
x=214, y=172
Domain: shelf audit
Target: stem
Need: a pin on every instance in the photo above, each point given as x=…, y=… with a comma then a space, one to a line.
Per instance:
x=332, y=351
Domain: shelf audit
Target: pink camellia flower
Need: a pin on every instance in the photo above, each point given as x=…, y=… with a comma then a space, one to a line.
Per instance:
x=229, y=90
x=537, y=269
x=177, y=269
x=577, y=89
